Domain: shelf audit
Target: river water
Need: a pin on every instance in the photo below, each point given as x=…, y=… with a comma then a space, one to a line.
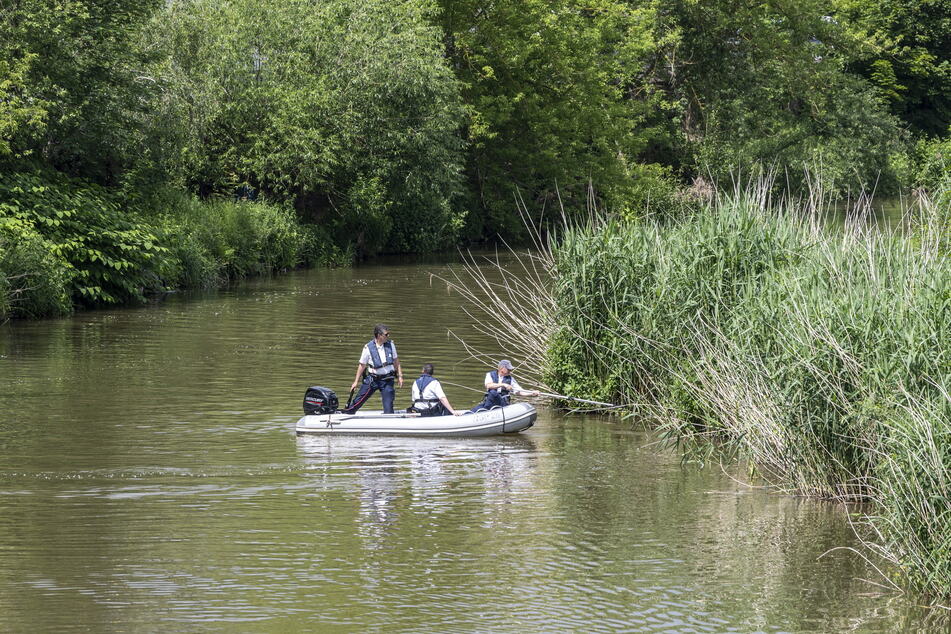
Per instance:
x=151, y=481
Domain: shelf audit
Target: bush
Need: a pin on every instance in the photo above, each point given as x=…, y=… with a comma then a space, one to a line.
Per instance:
x=219, y=240
x=112, y=254
x=34, y=281
x=318, y=249
x=65, y=241
x=932, y=163
x=653, y=192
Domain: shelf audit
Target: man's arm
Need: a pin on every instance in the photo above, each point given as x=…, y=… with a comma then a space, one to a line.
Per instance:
x=520, y=391
x=356, y=380
x=445, y=402
x=524, y=392
x=399, y=370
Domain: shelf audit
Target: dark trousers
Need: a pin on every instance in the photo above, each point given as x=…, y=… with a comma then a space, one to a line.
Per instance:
x=436, y=409
x=493, y=398
x=370, y=385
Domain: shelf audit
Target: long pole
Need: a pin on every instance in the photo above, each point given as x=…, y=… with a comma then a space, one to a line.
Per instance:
x=561, y=396
x=580, y=400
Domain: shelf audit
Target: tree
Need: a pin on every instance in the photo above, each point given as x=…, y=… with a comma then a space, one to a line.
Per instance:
x=767, y=82
x=558, y=96
x=345, y=107
x=71, y=83
x=905, y=53
x=22, y=115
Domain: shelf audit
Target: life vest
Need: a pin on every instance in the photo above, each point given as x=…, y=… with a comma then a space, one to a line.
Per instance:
x=503, y=394
x=375, y=361
x=421, y=384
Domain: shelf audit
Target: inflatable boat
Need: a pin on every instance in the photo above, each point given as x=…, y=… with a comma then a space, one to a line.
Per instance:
x=501, y=420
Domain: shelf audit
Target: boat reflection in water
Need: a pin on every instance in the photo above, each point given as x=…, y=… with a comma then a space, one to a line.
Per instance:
x=410, y=484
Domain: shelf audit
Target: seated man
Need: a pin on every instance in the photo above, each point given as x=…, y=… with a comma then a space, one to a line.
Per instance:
x=499, y=386
x=428, y=396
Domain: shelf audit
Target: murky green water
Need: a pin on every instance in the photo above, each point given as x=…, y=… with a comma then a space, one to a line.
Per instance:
x=151, y=481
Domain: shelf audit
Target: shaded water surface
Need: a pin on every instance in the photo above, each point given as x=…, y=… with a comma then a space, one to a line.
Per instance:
x=151, y=480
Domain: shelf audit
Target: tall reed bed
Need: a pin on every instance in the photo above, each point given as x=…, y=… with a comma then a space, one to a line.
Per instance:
x=821, y=354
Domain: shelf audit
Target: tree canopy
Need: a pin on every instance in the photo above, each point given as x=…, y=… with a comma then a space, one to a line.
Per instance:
x=768, y=83
x=412, y=125
x=73, y=82
x=346, y=108
x=905, y=53
x=558, y=95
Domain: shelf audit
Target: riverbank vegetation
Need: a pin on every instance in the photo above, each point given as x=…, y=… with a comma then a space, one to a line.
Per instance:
x=412, y=126
x=68, y=242
x=751, y=326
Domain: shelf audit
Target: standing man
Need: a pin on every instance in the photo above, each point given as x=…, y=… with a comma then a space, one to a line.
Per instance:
x=499, y=386
x=382, y=366
x=428, y=396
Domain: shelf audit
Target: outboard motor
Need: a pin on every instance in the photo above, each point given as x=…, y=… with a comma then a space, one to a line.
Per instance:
x=320, y=400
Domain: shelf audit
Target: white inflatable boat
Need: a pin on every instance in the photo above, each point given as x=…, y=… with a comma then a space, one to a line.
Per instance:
x=501, y=420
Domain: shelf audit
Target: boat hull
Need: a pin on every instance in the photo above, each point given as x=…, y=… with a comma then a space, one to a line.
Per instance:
x=502, y=420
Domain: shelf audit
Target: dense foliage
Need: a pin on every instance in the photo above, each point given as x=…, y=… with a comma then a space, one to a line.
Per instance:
x=68, y=241
x=34, y=280
x=822, y=357
x=212, y=242
x=416, y=125
x=108, y=256
x=767, y=83
x=906, y=55
x=558, y=97
x=345, y=108
x=74, y=84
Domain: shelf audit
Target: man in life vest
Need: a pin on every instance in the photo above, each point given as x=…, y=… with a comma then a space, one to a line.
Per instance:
x=499, y=386
x=428, y=396
x=382, y=367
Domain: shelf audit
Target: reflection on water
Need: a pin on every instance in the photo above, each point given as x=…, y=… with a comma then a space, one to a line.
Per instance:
x=151, y=480
x=422, y=475
x=414, y=494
